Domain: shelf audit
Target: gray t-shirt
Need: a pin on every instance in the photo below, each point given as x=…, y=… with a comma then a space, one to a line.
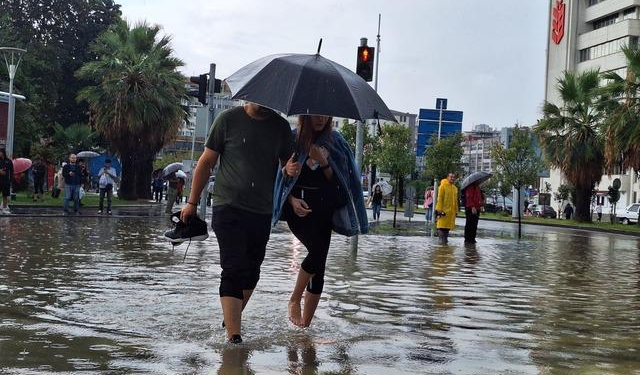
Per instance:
x=250, y=153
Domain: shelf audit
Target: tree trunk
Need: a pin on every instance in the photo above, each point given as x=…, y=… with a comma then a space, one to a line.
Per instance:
x=583, y=203
x=143, y=178
x=401, y=189
x=395, y=205
x=128, y=183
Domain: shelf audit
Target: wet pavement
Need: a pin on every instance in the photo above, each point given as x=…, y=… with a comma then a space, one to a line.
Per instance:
x=88, y=295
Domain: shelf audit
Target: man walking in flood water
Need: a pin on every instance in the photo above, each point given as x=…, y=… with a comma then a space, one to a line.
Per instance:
x=248, y=141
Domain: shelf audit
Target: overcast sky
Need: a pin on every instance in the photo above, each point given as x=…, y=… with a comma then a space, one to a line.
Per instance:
x=486, y=56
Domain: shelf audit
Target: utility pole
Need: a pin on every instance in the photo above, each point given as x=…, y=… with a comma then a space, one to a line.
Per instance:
x=435, y=179
x=375, y=85
x=202, y=211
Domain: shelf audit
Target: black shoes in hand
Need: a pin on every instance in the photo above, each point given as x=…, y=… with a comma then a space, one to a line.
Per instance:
x=194, y=230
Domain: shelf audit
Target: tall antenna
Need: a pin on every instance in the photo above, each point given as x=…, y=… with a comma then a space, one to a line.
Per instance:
x=375, y=85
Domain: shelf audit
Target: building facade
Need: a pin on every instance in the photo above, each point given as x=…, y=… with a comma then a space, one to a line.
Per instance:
x=194, y=129
x=476, y=146
x=589, y=34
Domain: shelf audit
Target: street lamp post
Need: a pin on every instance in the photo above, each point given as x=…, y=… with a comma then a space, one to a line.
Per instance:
x=12, y=57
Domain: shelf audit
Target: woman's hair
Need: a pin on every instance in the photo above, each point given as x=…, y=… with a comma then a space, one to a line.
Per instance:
x=305, y=136
x=377, y=188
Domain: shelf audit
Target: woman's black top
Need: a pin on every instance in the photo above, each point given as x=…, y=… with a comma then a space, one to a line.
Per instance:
x=377, y=198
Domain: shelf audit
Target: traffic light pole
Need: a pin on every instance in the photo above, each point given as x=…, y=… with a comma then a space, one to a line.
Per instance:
x=202, y=210
x=359, y=159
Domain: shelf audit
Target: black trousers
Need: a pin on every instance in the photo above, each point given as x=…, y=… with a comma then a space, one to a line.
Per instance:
x=108, y=191
x=242, y=239
x=314, y=231
x=37, y=185
x=471, y=225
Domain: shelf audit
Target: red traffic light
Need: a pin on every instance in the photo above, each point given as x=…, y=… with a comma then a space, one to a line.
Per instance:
x=364, y=64
x=365, y=55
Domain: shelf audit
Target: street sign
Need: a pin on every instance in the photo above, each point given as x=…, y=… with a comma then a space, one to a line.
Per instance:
x=430, y=121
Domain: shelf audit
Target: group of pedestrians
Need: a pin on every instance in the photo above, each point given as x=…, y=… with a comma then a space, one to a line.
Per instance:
x=315, y=178
x=73, y=177
x=446, y=208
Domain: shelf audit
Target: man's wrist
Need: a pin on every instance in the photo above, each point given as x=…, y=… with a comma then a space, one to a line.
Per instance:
x=192, y=203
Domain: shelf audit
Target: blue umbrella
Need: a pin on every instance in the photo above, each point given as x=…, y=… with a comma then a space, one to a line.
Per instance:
x=97, y=162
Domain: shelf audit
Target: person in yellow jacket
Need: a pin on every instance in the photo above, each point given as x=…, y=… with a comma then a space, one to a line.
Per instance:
x=446, y=207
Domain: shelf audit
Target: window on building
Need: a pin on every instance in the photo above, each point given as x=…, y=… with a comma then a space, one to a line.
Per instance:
x=629, y=14
x=608, y=48
x=593, y=2
x=606, y=21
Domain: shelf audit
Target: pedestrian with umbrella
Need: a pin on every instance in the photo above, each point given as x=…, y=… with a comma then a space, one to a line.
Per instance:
x=310, y=201
x=327, y=195
x=107, y=179
x=6, y=176
x=473, y=203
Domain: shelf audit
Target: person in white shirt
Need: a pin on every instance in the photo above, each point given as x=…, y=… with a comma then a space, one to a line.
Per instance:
x=108, y=177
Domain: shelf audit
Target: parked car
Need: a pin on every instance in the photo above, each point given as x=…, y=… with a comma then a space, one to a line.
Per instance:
x=543, y=211
x=630, y=214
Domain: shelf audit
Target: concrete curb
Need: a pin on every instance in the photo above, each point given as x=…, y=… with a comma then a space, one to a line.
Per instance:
x=601, y=230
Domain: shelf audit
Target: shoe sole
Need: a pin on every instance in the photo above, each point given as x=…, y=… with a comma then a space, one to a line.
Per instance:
x=181, y=240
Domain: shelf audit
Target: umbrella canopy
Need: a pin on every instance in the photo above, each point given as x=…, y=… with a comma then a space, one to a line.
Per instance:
x=298, y=84
x=478, y=177
x=20, y=165
x=181, y=174
x=173, y=167
x=385, y=187
x=87, y=154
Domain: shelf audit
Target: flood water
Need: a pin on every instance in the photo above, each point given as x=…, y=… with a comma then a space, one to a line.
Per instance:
x=109, y=296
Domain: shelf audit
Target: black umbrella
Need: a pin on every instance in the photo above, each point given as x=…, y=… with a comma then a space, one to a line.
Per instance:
x=478, y=177
x=297, y=84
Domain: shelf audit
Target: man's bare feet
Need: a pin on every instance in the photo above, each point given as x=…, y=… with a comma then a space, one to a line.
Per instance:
x=295, y=313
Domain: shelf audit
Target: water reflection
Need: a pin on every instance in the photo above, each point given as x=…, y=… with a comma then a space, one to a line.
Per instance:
x=234, y=361
x=302, y=357
x=110, y=296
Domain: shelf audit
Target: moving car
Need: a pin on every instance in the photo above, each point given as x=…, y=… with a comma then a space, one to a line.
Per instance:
x=630, y=214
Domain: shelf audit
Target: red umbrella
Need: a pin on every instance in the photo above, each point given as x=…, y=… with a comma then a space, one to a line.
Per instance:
x=20, y=165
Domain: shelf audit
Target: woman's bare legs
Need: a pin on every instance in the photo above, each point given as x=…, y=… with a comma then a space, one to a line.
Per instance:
x=311, y=301
x=295, y=311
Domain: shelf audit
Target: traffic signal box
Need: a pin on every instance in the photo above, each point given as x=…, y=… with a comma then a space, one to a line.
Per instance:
x=203, y=82
x=201, y=94
x=364, y=65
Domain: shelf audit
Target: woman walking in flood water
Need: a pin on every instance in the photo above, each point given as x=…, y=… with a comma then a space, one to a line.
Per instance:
x=308, y=201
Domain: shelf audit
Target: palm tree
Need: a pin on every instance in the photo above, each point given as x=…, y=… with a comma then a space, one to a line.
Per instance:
x=622, y=137
x=135, y=99
x=571, y=135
